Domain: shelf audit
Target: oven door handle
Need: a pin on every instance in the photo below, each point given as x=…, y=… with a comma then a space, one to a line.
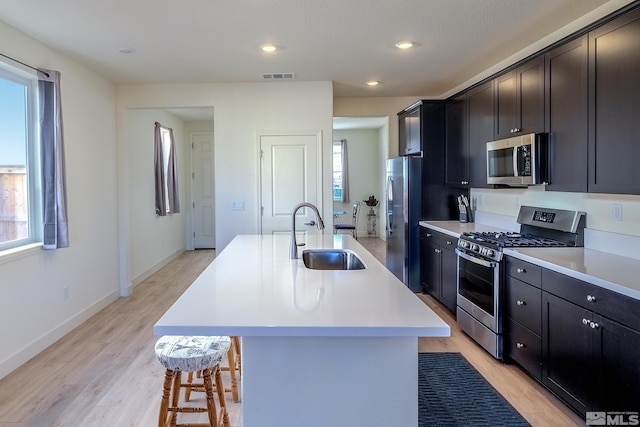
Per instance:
x=485, y=263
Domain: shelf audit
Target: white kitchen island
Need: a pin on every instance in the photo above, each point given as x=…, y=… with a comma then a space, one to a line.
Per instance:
x=319, y=347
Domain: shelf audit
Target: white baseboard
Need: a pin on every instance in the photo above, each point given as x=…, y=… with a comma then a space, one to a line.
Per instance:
x=146, y=274
x=25, y=354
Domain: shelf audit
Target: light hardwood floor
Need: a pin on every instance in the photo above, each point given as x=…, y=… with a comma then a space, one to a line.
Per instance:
x=105, y=372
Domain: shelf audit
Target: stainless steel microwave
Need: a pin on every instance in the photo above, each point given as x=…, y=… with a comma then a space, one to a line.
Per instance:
x=518, y=161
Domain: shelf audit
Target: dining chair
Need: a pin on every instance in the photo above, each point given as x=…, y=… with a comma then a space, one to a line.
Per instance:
x=353, y=227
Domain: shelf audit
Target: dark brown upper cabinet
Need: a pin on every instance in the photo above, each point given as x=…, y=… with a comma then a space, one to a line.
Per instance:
x=614, y=100
x=469, y=126
x=519, y=106
x=567, y=115
x=480, y=119
x=409, y=127
x=457, y=150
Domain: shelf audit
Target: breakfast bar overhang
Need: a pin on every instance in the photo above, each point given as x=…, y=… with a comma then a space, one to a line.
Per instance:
x=319, y=347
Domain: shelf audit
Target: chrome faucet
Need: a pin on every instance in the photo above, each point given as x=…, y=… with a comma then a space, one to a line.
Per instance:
x=293, y=250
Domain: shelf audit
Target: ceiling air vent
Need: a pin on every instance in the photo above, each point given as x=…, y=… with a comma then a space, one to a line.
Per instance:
x=278, y=76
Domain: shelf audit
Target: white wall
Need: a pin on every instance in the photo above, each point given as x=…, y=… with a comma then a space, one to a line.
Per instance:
x=240, y=112
x=154, y=240
x=33, y=310
x=364, y=173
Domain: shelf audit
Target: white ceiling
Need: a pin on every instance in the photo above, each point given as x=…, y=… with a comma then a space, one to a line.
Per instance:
x=344, y=41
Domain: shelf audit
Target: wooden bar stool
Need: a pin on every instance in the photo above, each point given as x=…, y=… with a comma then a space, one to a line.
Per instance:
x=192, y=354
x=233, y=359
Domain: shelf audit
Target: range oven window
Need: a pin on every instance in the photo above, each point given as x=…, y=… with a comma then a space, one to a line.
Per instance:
x=477, y=284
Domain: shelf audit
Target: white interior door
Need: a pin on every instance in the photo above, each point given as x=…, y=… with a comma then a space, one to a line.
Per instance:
x=289, y=174
x=202, y=190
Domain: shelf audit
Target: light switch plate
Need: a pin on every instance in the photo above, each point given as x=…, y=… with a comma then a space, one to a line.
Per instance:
x=237, y=206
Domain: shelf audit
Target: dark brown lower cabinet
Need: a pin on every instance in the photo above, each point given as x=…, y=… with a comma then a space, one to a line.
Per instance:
x=569, y=363
x=589, y=360
x=618, y=348
x=438, y=264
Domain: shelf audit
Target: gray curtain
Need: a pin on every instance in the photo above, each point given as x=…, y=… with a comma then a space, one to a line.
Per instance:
x=345, y=171
x=54, y=197
x=161, y=207
x=172, y=177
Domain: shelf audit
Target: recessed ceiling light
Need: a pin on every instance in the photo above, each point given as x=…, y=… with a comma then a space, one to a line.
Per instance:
x=373, y=83
x=405, y=45
x=268, y=48
x=126, y=50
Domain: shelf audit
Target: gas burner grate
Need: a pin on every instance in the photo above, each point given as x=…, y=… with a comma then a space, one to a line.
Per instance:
x=512, y=240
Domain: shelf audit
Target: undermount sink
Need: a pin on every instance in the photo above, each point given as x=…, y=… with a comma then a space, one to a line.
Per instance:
x=331, y=259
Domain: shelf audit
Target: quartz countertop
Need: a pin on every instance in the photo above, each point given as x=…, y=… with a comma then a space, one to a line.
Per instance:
x=252, y=288
x=614, y=272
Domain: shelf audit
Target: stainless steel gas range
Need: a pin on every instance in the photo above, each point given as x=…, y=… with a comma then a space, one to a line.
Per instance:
x=481, y=267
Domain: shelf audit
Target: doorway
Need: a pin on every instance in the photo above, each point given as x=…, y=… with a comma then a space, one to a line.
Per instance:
x=367, y=146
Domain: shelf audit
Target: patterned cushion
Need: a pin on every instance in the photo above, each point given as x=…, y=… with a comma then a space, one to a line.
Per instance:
x=190, y=354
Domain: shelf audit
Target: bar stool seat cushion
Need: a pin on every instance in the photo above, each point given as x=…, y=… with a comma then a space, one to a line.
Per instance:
x=191, y=353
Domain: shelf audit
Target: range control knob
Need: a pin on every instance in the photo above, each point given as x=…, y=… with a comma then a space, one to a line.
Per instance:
x=475, y=248
x=490, y=253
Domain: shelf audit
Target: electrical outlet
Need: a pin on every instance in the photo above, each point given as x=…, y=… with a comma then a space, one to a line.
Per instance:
x=616, y=212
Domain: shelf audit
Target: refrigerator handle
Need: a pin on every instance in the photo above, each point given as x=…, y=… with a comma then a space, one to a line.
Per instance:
x=389, y=206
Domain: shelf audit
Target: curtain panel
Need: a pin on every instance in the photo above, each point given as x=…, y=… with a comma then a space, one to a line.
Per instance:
x=172, y=177
x=54, y=197
x=158, y=156
x=345, y=171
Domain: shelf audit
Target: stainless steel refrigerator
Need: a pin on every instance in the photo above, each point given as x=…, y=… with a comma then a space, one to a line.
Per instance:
x=404, y=212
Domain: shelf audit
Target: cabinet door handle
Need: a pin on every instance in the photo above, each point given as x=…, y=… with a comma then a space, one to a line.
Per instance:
x=449, y=242
x=437, y=251
x=521, y=302
x=585, y=322
x=521, y=270
x=428, y=234
x=519, y=345
x=591, y=298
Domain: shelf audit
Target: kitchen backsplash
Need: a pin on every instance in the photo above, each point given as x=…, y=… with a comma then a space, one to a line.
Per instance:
x=613, y=221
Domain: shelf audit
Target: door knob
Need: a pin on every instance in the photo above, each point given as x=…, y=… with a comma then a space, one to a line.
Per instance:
x=312, y=223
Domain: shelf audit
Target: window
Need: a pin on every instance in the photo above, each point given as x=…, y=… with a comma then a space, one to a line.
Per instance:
x=337, y=172
x=165, y=171
x=19, y=189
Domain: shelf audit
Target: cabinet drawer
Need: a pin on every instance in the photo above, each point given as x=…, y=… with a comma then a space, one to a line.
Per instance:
x=525, y=348
x=448, y=242
x=525, y=271
x=619, y=307
x=444, y=240
x=524, y=304
x=570, y=289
